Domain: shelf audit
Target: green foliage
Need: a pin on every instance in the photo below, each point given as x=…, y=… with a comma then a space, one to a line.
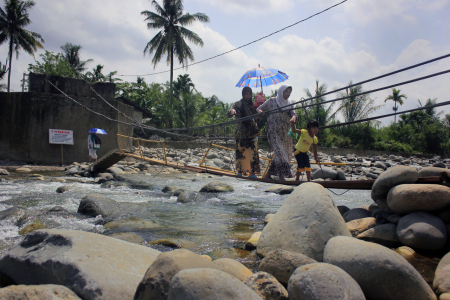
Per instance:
x=14, y=18
x=53, y=64
x=71, y=53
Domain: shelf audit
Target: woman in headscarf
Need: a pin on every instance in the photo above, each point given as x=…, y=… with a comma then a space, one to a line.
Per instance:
x=247, y=158
x=278, y=125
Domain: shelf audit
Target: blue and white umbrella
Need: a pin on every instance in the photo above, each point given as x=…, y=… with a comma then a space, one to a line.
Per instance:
x=97, y=131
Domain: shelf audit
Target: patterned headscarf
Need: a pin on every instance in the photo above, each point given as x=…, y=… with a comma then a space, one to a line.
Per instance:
x=280, y=99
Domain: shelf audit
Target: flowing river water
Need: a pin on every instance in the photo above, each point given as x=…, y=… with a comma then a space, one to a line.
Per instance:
x=217, y=226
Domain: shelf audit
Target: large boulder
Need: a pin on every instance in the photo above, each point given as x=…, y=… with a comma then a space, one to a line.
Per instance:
x=232, y=267
x=385, y=234
x=208, y=284
x=323, y=281
x=407, y=198
x=441, y=282
x=37, y=292
x=266, y=286
x=422, y=230
x=282, y=264
x=156, y=282
x=392, y=177
x=380, y=272
x=115, y=170
x=217, y=186
x=324, y=173
x=94, y=205
x=356, y=213
x=304, y=223
x=432, y=172
x=93, y=266
x=189, y=196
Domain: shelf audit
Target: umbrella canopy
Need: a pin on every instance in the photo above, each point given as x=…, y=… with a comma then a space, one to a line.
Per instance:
x=97, y=131
x=261, y=76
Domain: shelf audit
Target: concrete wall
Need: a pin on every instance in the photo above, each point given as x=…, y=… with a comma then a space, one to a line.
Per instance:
x=25, y=120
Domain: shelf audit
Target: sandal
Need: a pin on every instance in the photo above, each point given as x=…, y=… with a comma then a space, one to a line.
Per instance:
x=253, y=176
x=239, y=174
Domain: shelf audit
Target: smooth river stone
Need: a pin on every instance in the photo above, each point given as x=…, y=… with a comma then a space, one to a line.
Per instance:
x=323, y=281
x=282, y=264
x=441, y=282
x=380, y=272
x=422, y=230
x=407, y=198
x=356, y=213
x=361, y=225
x=87, y=263
x=208, y=284
x=304, y=223
x=156, y=282
x=384, y=234
x=37, y=292
x=267, y=286
x=217, y=186
x=390, y=178
x=432, y=171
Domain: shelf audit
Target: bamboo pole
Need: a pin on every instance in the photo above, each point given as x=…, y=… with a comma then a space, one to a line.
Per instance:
x=165, y=156
x=140, y=151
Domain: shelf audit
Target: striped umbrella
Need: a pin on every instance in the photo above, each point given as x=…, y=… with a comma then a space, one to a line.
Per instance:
x=261, y=76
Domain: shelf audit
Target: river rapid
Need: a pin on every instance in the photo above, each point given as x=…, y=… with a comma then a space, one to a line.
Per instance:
x=218, y=226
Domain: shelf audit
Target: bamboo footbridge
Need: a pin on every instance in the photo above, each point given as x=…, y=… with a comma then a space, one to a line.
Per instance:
x=116, y=155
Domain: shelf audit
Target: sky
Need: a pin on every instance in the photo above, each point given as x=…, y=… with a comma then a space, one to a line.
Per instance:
x=354, y=41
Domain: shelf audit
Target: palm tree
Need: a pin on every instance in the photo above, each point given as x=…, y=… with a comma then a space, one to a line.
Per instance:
x=72, y=54
x=13, y=19
x=397, y=98
x=3, y=71
x=431, y=111
x=355, y=107
x=171, y=39
x=183, y=84
x=319, y=112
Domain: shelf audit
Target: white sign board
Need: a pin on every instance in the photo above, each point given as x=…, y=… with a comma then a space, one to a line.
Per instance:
x=60, y=136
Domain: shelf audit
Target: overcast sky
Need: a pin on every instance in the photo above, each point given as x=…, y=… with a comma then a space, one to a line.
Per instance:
x=355, y=41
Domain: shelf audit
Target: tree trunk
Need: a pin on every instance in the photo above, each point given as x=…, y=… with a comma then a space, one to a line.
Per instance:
x=10, y=60
x=395, y=111
x=171, y=80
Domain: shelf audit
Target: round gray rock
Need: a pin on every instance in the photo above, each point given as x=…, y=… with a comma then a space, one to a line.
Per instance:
x=156, y=282
x=115, y=170
x=4, y=172
x=380, y=272
x=392, y=177
x=217, y=186
x=281, y=264
x=432, y=171
x=323, y=281
x=94, y=205
x=407, y=198
x=325, y=172
x=189, y=196
x=280, y=189
x=304, y=223
x=422, y=230
x=385, y=234
x=356, y=213
x=266, y=286
x=37, y=292
x=208, y=284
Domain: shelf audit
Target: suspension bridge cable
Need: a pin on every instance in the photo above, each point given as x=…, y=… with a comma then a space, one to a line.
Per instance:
x=245, y=44
x=280, y=109
x=387, y=115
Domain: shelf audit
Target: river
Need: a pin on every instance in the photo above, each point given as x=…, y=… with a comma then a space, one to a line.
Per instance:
x=218, y=226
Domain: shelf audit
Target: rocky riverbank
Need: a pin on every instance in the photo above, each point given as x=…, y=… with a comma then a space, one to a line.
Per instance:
x=395, y=248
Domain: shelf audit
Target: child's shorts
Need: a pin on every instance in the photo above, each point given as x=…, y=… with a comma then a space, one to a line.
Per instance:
x=302, y=161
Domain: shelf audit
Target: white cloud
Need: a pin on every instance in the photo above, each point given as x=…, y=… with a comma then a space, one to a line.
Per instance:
x=250, y=7
x=363, y=12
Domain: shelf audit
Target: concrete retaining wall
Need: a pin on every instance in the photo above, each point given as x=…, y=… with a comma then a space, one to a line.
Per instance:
x=25, y=120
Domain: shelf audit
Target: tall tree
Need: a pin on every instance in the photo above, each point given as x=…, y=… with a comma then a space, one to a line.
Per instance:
x=72, y=54
x=397, y=98
x=3, y=71
x=431, y=111
x=355, y=107
x=319, y=112
x=170, y=41
x=13, y=18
